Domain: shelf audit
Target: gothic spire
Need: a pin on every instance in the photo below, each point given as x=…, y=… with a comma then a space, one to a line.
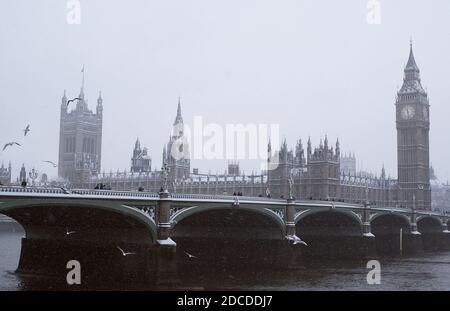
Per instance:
x=137, y=145
x=411, y=65
x=64, y=103
x=82, y=83
x=179, y=118
x=100, y=99
x=411, y=81
x=164, y=155
x=338, y=149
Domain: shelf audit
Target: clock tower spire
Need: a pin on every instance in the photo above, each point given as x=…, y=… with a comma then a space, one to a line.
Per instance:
x=413, y=152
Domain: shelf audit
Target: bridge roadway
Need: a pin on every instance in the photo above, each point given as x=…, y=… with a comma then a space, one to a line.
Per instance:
x=60, y=219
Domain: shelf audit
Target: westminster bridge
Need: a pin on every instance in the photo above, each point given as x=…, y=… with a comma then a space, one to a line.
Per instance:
x=95, y=226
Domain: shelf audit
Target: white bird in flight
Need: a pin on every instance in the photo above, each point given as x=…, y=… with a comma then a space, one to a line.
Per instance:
x=51, y=162
x=125, y=253
x=296, y=240
x=69, y=232
x=10, y=144
x=26, y=130
x=301, y=242
x=190, y=255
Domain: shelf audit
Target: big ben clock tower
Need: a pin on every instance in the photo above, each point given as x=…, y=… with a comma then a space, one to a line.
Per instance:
x=413, y=152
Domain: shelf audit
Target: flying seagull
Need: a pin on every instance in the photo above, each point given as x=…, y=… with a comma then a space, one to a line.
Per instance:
x=69, y=232
x=124, y=253
x=300, y=242
x=296, y=240
x=72, y=100
x=52, y=163
x=10, y=144
x=190, y=255
x=26, y=130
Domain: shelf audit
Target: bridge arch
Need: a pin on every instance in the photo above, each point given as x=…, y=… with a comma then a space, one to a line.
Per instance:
x=23, y=213
x=330, y=233
x=431, y=229
x=226, y=235
x=350, y=214
x=390, y=215
x=192, y=210
x=429, y=220
x=386, y=227
x=95, y=233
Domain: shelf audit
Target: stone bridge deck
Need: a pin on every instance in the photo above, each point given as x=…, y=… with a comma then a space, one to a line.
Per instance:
x=288, y=212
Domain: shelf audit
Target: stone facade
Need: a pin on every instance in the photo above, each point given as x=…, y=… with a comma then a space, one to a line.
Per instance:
x=348, y=164
x=80, y=139
x=5, y=174
x=141, y=162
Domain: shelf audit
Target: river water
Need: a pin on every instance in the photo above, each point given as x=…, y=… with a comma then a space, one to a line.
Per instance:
x=425, y=271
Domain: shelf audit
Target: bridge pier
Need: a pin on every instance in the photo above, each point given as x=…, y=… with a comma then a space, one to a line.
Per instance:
x=413, y=241
x=166, y=249
x=445, y=237
x=290, y=253
x=368, y=246
x=290, y=217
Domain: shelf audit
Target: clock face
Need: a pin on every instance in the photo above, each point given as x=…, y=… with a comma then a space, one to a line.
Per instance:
x=408, y=112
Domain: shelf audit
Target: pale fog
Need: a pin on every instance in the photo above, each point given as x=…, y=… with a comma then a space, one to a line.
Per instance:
x=313, y=67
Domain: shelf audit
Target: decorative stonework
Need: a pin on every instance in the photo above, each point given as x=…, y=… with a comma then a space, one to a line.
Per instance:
x=277, y=211
x=372, y=215
x=148, y=211
x=176, y=210
x=298, y=212
x=359, y=215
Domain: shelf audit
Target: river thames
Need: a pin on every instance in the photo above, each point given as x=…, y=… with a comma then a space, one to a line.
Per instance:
x=425, y=271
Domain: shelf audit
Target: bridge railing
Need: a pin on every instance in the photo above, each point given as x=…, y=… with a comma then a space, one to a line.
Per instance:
x=114, y=193
x=222, y=197
x=43, y=191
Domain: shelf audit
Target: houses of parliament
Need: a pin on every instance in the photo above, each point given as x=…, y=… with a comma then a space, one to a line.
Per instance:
x=318, y=173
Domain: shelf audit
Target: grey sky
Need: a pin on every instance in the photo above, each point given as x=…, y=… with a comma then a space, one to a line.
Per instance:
x=315, y=67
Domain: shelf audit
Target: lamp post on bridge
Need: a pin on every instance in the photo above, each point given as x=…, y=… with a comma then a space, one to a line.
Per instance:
x=290, y=212
x=367, y=231
x=414, y=217
x=165, y=174
x=166, y=269
x=163, y=215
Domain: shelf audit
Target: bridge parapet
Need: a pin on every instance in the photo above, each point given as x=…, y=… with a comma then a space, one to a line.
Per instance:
x=43, y=192
x=223, y=197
